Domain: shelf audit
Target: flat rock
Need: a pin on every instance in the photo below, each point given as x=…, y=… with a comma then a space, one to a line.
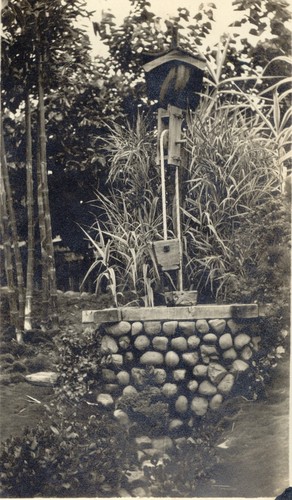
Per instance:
x=175, y=424
x=141, y=342
x=124, y=342
x=160, y=343
x=200, y=370
x=129, y=390
x=118, y=329
x=128, y=357
x=151, y=358
x=210, y=338
x=137, y=327
x=181, y=404
x=230, y=354
x=226, y=341
x=246, y=353
x=239, y=366
x=187, y=327
x=193, y=341
x=152, y=327
x=226, y=384
x=256, y=342
x=190, y=358
x=216, y=401
x=207, y=389
x=135, y=476
x=171, y=359
x=216, y=372
x=208, y=350
x=199, y=405
x=217, y=325
x=169, y=327
x=169, y=389
x=109, y=345
x=105, y=400
x=179, y=344
x=122, y=417
x=179, y=374
x=193, y=385
x=202, y=326
x=47, y=379
x=117, y=359
x=241, y=340
x=108, y=375
x=123, y=377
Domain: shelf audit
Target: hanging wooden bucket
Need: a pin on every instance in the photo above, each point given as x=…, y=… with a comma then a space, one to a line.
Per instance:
x=167, y=253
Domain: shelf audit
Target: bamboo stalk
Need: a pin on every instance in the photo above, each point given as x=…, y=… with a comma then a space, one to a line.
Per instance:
x=9, y=216
x=45, y=195
x=30, y=221
x=42, y=230
x=8, y=260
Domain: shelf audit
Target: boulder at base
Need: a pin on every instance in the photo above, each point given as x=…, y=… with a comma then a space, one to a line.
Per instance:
x=47, y=379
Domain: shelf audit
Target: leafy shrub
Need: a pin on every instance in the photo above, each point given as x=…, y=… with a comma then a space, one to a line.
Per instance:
x=148, y=413
x=39, y=363
x=15, y=349
x=68, y=458
x=6, y=358
x=262, y=248
x=80, y=362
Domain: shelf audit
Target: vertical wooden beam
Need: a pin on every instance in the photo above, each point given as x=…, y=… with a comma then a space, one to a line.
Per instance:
x=174, y=140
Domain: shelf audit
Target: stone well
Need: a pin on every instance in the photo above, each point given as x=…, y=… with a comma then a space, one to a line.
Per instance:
x=196, y=353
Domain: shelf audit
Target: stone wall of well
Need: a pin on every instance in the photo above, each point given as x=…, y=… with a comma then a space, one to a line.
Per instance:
x=196, y=363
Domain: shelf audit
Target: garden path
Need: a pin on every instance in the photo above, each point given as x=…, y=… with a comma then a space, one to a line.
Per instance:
x=254, y=456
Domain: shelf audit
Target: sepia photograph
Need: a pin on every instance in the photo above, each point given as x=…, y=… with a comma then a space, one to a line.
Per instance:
x=145, y=249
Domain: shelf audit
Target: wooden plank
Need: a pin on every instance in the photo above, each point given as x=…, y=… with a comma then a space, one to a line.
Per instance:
x=244, y=310
x=174, y=139
x=209, y=311
x=112, y=315
x=87, y=316
x=183, y=313
x=162, y=124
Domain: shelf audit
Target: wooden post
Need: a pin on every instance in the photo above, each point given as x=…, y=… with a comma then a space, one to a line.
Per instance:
x=174, y=158
x=170, y=121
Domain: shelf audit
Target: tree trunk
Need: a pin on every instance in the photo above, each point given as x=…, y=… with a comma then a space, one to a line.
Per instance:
x=9, y=221
x=30, y=220
x=43, y=245
x=49, y=249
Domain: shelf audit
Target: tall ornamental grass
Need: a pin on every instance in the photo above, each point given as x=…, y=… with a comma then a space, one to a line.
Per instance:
x=237, y=151
x=239, y=145
x=130, y=216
